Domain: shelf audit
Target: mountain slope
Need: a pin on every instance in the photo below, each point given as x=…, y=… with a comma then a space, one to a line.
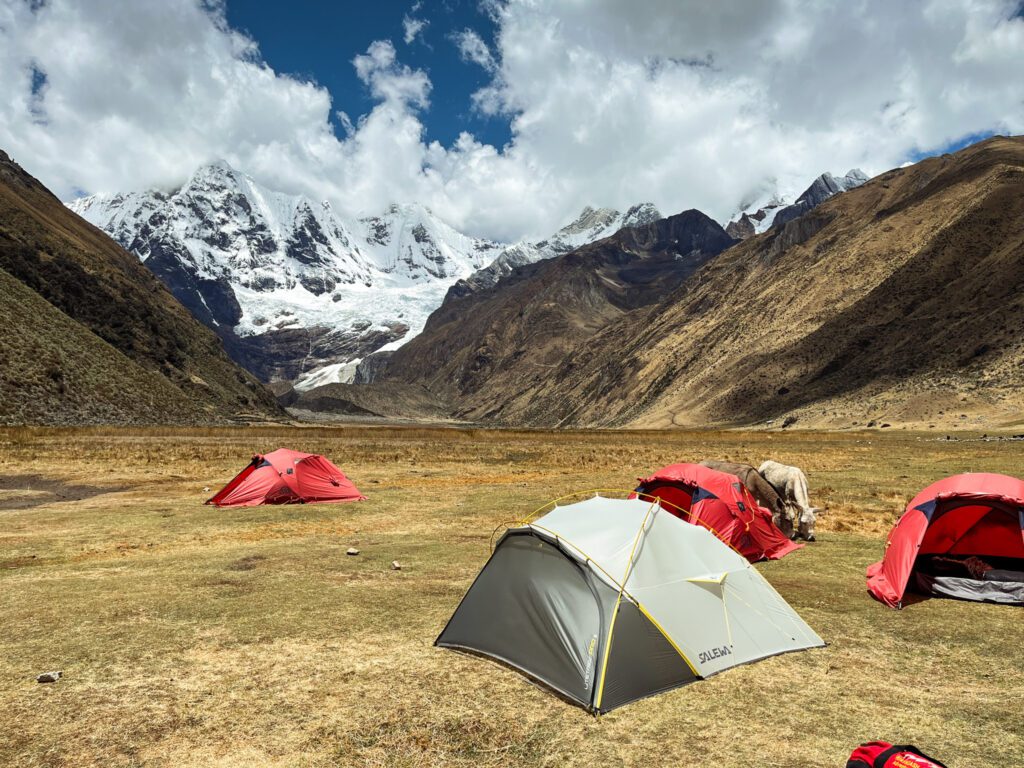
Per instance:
x=591, y=225
x=478, y=350
x=94, y=286
x=54, y=370
x=898, y=302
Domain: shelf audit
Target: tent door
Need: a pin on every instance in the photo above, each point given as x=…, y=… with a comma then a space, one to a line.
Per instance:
x=641, y=661
x=536, y=609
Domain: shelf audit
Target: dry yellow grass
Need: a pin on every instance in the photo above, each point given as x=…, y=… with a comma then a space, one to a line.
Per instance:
x=195, y=636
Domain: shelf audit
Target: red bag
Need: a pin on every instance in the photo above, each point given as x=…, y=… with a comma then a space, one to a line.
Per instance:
x=882, y=754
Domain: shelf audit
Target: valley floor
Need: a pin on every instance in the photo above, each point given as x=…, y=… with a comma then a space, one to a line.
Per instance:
x=190, y=635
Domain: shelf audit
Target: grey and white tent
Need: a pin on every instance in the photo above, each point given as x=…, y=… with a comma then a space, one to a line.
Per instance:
x=607, y=601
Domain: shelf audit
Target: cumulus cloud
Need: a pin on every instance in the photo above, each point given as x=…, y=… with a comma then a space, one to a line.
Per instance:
x=138, y=93
x=681, y=102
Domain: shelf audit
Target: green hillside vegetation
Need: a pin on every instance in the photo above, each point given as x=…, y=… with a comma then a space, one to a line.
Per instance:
x=55, y=370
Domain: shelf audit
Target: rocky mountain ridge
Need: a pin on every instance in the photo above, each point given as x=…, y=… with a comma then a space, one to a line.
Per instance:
x=285, y=282
x=534, y=319
x=592, y=224
x=771, y=210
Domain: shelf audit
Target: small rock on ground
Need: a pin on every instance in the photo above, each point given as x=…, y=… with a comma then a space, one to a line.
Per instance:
x=395, y=565
x=351, y=551
x=49, y=677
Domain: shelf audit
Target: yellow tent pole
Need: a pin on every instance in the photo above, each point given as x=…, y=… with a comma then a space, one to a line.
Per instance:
x=597, y=491
x=666, y=635
x=725, y=610
x=700, y=523
x=519, y=522
x=618, y=600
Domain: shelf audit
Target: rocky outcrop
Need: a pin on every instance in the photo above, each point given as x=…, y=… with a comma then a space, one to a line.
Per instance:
x=372, y=367
x=772, y=211
x=284, y=393
x=741, y=228
x=821, y=189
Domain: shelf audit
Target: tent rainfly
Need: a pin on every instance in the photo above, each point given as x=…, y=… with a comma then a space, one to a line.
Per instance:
x=962, y=537
x=287, y=477
x=611, y=600
x=721, y=503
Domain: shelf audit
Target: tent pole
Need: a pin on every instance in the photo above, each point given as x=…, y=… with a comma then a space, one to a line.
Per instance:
x=618, y=600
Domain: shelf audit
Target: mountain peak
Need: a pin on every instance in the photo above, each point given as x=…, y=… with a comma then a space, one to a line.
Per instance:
x=288, y=283
x=591, y=217
x=641, y=213
x=757, y=216
x=217, y=168
x=856, y=175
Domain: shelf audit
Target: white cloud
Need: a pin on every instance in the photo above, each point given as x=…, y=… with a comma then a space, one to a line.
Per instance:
x=682, y=102
x=473, y=48
x=388, y=80
x=413, y=26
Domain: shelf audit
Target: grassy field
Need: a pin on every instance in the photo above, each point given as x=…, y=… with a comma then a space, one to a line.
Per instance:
x=195, y=636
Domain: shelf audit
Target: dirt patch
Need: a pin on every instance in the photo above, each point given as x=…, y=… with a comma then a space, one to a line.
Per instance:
x=27, y=491
x=246, y=563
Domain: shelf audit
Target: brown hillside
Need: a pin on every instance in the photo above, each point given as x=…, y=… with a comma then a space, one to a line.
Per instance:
x=483, y=347
x=897, y=302
x=54, y=370
x=96, y=286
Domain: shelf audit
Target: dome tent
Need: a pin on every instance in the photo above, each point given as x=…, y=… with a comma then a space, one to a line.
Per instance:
x=721, y=503
x=606, y=601
x=287, y=477
x=962, y=519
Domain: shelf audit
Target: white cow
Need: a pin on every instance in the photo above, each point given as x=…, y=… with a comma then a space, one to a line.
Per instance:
x=791, y=484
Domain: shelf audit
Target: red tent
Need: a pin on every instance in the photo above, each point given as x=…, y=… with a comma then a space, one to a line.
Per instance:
x=974, y=515
x=721, y=503
x=287, y=477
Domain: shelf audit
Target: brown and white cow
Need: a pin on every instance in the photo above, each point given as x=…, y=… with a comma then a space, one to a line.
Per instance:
x=760, y=489
x=791, y=484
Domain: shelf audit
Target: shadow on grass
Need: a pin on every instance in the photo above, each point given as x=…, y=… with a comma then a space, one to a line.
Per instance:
x=27, y=491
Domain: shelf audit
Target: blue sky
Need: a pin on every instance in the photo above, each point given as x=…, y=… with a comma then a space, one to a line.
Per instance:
x=317, y=41
x=952, y=146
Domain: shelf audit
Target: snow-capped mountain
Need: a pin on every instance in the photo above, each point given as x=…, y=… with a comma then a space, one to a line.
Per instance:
x=755, y=215
x=295, y=291
x=591, y=225
x=769, y=209
x=288, y=284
